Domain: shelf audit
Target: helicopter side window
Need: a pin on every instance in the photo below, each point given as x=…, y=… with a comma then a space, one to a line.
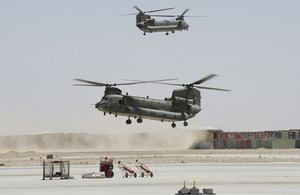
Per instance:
x=121, y=102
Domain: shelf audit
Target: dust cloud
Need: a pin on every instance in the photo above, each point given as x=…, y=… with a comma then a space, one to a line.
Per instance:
x=158, y=140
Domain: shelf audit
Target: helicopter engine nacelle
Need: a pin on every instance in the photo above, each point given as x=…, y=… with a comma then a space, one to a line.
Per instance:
x=183, y=100
x=150, y=21
x=142, y=17
x=112, y=90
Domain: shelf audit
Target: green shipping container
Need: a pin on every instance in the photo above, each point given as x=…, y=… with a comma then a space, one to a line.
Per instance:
x=297, y=143
x=269, y=144
x=285, y=135
x=232, y=144
x=253, y=144
x=283, y=144
x=260, y=143
x=278, y=135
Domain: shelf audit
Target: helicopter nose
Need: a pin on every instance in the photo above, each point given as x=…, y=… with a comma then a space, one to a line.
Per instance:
x=101, y=104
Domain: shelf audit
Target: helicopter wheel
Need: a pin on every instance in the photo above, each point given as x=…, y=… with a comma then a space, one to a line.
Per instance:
x=173, y=31
x=139, y=120
x=173, y=125
x=144, y=34
x=185, y=123
x=167, y=33
x=128, y=121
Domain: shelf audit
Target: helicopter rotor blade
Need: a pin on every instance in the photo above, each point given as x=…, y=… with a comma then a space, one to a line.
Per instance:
x=196, y=16
x=152, y=81
x=136, y=7
x=211, y=88
x=185, y=12
x=191, y=85
x=141, y=12
x=204, y=79
x=128, y=14
x=158, y=15
x=181, y=16
x=158, y=10
x=98, y=84
x=86, y=85
x=155, y=15
x=92, y=83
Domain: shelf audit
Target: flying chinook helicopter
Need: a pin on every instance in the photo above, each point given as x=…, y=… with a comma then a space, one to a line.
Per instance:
x=181, y=106
x=148, y=25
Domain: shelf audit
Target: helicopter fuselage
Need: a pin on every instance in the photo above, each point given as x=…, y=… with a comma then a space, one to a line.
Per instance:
x=147, y=24
x=162, y=26
x=170, y=109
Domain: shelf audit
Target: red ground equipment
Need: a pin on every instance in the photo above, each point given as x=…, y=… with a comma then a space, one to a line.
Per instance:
x=106, y=166
x=144, y=170
x=126, y=170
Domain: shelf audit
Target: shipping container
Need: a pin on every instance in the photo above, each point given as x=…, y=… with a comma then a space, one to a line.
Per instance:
x=223, y=135
x=232, y=144
x=245, y=135
x=265, y=135
x=292, y=134
x=244, y=144
x=230, y=135
x=268, y=144
x=271, y=134
x=209, y=136
x=297, y=143
x=285, y=134
x=253, y=144
x=278, y=135
x=283, y=144
x=216, y=135
x=238, y=135
x=220, y=144
x=257, y=135
x=251, y=135
x=261, y=143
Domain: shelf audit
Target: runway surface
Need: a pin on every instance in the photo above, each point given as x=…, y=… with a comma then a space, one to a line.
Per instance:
x=225, y=179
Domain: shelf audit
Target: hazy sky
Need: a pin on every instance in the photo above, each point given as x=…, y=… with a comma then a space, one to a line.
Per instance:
x=253, y=45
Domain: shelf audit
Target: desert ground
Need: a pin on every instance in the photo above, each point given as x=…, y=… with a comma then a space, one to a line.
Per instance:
x=227, y=172
x=34, y=158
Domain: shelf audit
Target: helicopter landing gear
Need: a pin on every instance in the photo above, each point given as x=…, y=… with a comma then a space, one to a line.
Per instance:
x=173, y=125
x=104, y=113
x=144, y=34
x=185, y=123
x=167, y=33
x=139, y=120
x=173, y=31
x=128, y=121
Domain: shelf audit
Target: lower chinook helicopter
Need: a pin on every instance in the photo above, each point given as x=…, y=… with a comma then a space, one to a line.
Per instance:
x=181, y=106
